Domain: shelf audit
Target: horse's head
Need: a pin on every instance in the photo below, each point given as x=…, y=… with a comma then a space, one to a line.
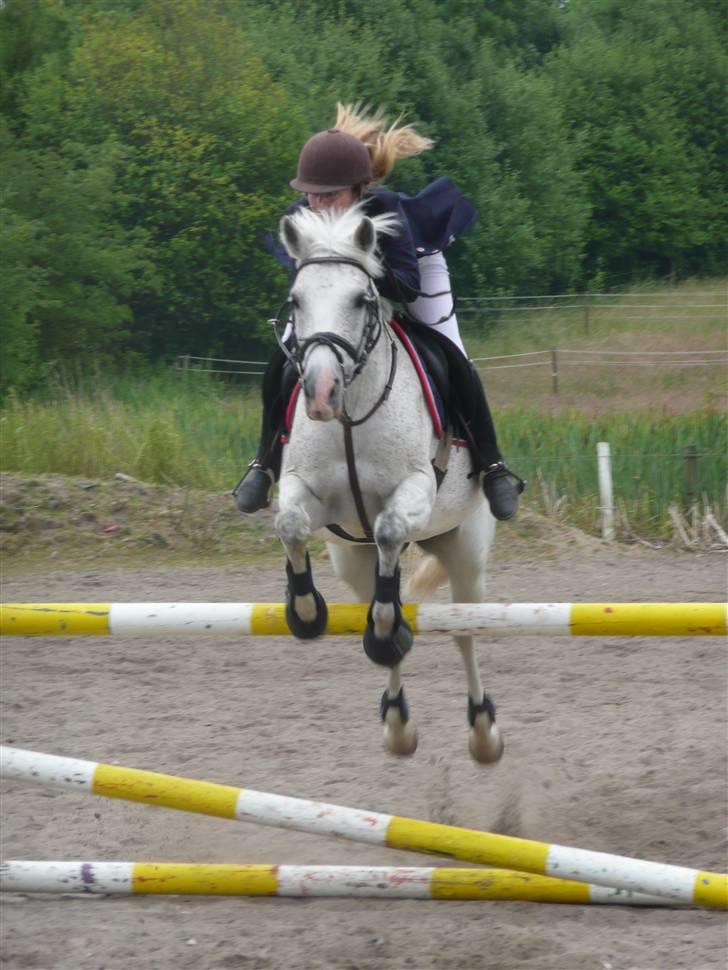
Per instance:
x=337, y=312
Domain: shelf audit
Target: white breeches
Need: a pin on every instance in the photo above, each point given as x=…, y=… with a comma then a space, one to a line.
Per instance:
x=435, y=278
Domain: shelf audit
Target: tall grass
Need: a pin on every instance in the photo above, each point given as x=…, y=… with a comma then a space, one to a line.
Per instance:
x=649, y=465
x=189, y=431
x=157, y=427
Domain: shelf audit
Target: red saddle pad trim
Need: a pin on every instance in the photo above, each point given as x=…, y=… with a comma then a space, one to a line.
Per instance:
x=426, y=389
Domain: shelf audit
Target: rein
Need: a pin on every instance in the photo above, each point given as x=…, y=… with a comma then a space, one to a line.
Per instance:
x=372, y=331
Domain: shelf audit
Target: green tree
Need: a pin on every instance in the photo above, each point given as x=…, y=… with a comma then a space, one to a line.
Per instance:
x=21, y=285
x=203, y=132
x=30, y=30
x=522, y=30
x=643, y=84
x=429, y=60
x=69, y=269
x=147, y=146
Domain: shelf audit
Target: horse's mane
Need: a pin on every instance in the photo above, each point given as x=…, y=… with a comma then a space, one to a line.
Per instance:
x=331, y=233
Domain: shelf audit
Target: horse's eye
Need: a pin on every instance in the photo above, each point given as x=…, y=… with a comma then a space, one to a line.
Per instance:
x=294, y=301
x=360, y=300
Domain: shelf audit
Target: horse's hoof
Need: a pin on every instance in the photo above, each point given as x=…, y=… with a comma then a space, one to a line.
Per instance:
x=399, y=738
x=307, y=630
x=400, y=734
x=388, y=651
x=485, y=742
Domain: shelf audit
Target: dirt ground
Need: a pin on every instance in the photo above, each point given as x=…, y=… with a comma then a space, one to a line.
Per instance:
x=613, y=745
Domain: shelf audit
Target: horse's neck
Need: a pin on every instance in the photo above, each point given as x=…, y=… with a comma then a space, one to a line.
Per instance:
x=368, y=386
x=404, y=415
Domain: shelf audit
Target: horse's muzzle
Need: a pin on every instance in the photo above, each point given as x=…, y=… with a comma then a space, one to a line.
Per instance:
x=323, y=391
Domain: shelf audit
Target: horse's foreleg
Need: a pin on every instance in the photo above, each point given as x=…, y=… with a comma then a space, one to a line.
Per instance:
x=356, y=565
x=300, y=512
x=400, y=731
x=388, y=636
x=408, y=510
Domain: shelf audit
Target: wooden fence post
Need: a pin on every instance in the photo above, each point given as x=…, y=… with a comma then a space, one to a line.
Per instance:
x=554, y=370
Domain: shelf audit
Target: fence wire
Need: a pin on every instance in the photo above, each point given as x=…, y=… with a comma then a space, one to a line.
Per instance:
x=555, y=357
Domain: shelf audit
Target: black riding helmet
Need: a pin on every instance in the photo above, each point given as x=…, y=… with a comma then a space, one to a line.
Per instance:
x=330, y=161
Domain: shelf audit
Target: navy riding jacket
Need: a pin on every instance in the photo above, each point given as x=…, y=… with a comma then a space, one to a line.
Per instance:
x=429, y=222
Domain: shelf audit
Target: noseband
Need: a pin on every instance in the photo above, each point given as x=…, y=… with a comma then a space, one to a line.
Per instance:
x=359, y=355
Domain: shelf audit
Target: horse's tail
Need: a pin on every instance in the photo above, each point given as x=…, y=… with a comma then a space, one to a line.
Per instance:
x=429, y=575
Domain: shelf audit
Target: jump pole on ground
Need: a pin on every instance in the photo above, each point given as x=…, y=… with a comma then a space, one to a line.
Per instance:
x=221, y=879
x=678, y=883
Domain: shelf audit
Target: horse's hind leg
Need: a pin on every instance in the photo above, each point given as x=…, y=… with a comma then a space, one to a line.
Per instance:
x=463, y=553
x=485, y=741
x=300, y=512
x=356, y=566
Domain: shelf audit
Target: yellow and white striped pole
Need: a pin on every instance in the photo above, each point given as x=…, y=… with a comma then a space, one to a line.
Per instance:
x=220, y=879
x=268, y=619
x=677, y=883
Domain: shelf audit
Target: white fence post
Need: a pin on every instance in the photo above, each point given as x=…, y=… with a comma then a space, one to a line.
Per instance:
x=606, y=496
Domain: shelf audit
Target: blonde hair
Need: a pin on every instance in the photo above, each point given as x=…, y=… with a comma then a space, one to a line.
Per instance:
x=385, y=143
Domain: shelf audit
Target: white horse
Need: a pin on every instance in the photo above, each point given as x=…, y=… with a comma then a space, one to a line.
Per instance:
x=361, y=451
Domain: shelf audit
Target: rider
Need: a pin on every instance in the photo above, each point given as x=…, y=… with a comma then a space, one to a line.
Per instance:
x=336, y=169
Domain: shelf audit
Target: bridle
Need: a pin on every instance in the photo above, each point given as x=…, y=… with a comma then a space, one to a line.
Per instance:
x=296, y=353
x=374, y=326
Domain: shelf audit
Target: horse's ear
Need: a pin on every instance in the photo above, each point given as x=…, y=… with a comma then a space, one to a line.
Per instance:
x=290, y=237
x=365, y=236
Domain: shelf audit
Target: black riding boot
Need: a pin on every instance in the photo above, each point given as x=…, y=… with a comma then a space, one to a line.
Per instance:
x=467, y=401
x=252, y=492
x=502, y=488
